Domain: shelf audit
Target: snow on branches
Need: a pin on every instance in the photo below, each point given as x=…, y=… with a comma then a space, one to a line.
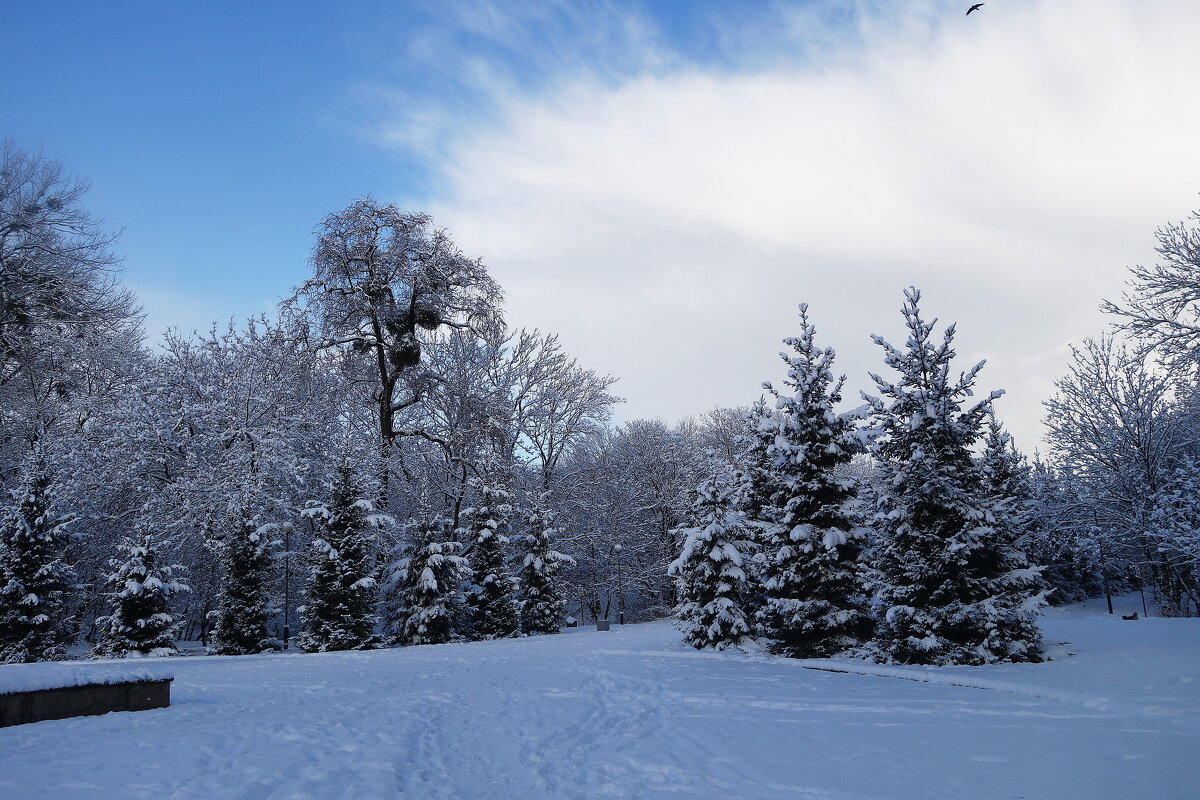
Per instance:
x=710, y=572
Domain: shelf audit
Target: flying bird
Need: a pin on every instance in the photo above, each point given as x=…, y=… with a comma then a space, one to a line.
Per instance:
x=975, y=7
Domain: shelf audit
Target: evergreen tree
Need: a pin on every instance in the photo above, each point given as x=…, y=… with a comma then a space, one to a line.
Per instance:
x=244, y=605
x=955, y=588
x=1004, y=475
x=140, y=622
x=709, y=573
x=35, y=584
x=815, y=603
x=757, y=463
x=424, y=583
x=340, y=597
x=493, y=612
x=541, y=593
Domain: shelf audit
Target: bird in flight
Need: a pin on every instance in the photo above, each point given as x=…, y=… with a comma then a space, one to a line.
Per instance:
x=975, y=7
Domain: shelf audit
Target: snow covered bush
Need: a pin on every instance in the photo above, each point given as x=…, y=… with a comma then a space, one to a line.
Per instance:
x=955, y=587
x=811, y=568
x=538, y=578
x=35, y=583
x=140, y=622
x=423, y=585
x=339, y=606
x=710, y=571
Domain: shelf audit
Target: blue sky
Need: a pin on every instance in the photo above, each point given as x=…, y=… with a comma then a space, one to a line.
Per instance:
x=659, y=182
x=217, y=134
x=210, y=131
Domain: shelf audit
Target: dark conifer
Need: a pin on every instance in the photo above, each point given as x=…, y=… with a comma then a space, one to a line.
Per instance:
x=35, y=583
x=955, y=589
x=244, y=605
x=812, y=571
x=493, y=611
x=140, y=622
x=538, y=578
x=339, y=606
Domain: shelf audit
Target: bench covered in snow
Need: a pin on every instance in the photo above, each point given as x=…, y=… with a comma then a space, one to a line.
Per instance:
x=37, y=692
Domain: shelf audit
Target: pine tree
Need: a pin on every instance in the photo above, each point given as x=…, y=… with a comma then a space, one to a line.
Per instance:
x=140, y=622
x=35, y=584
x=340, y=597
x=244, y=605
x=424, y=583
x=493, y=612
x=541, y=593
x=954, y=587
x=1003, y=472
x=709, y=573
x=812, y=571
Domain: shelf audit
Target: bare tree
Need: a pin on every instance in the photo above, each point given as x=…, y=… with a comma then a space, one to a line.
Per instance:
x=381, y=277
x=1162, y=307
x=1115, y=425
x=56, y=268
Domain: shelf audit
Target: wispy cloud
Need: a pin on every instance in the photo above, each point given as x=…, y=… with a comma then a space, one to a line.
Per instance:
x=666, y=199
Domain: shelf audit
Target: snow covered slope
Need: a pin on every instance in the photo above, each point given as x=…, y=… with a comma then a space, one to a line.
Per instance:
x=633, y=713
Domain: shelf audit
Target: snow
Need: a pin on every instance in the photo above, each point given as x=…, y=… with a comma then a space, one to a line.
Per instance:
x=62, y=674
x=636, y=714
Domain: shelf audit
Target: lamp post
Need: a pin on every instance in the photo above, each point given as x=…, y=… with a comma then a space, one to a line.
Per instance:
x=620, y=587
x=287, y=580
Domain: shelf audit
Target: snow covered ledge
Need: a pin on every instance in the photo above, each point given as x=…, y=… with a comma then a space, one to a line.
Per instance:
x=37, y=692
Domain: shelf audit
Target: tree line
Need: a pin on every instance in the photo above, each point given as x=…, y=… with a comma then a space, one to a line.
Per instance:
x=386, y=460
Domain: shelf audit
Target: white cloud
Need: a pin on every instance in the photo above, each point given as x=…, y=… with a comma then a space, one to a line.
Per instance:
x=1011, y=164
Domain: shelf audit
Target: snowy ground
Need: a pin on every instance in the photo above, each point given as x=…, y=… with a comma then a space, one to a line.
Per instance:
x=633, y=713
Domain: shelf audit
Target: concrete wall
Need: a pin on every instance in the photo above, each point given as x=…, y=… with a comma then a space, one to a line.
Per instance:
x=19, y=708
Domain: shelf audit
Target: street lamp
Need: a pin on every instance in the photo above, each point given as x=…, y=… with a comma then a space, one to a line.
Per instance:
x=620, y=587
x=287, y=580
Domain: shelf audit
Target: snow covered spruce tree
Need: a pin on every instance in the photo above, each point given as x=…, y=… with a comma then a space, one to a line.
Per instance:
x=339, y=606
x=140, y=622
x=244, y=604
x=538, y=578
x=423, y=584
x=1004, y=475
x=493, y=611
x=955, y=588
x=811, y=569
x=710, y=575
x=35, y=583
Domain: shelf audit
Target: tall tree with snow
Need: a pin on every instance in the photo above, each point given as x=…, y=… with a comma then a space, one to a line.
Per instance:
x=710, y=572
x=140, y=622
x=424, y=583
x=539, y=579
x=244, y=605
x=35, y=583
x=339, y=609
x=954, y=587
x=381, y=279
x=812, y=570
x=493, y=611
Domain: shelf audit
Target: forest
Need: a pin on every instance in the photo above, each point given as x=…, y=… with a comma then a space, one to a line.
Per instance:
x=387, y=460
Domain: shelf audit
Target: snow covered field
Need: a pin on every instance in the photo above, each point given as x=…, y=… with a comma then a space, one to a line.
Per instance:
x=634, y=713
